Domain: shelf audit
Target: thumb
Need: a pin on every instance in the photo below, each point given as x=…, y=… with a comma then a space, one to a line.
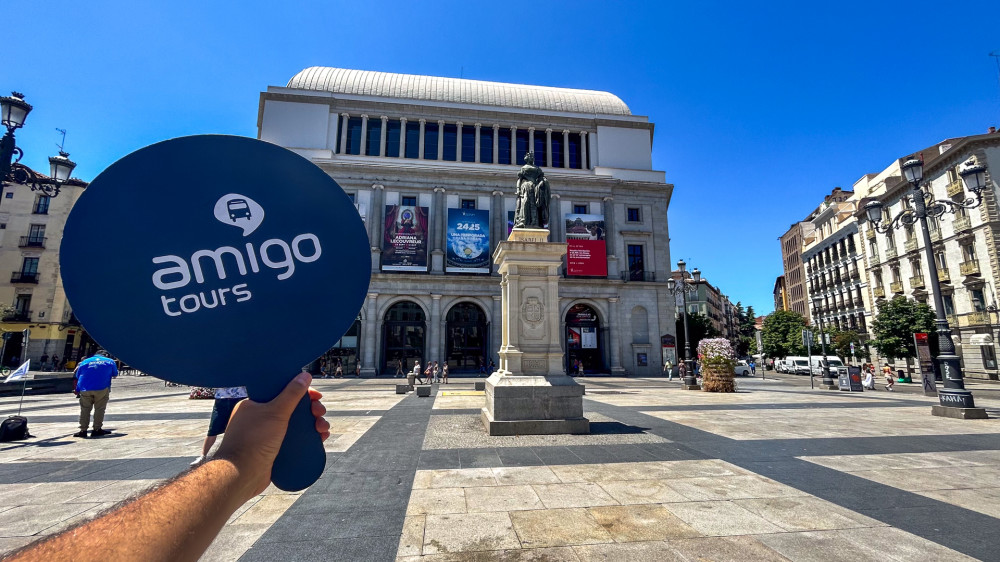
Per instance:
x=284, y=403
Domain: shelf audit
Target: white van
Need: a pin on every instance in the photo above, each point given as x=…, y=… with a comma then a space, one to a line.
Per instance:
x=836, y=365
x=797, y=365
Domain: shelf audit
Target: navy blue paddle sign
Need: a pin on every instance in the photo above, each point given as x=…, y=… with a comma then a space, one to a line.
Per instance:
x=220, y=261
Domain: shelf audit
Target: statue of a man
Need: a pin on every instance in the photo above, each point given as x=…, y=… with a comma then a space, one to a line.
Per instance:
x=532, y=195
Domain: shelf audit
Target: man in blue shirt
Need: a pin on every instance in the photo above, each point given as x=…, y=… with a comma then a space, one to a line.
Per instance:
x=93, y=386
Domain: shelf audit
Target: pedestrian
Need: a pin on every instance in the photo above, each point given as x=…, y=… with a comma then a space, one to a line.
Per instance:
x=55, y=362
x=579, y=367
x=753, y=367
x=357, y=369
x=668, y=370
x=869, y=381
x=416, y=372
x=399, y=367
x=436, y=372
x=93, y=387
x=339, y=373
x=444, y=373
x=44, y=360
x=889, y=382
x=682, y=370
x=226, y=400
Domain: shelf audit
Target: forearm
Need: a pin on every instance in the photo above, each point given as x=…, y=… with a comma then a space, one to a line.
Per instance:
x=174, y=522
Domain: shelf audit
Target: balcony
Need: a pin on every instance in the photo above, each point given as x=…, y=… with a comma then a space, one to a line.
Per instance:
x=647, y=276
x=870, y=234
x=873, y=260
x=961, y=224
x=890, y=253
x=952, y=320
x=24, y=277
x=936, y=235
x=896, y=287
x=910, y=244
x=32, y=242
x=969, y=267
x=974, y=319
x=17, y=316
x=943, y=276
x=917, y=282
x=955, y=188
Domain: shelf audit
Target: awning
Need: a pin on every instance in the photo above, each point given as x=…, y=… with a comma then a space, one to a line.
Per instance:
x=981, y=339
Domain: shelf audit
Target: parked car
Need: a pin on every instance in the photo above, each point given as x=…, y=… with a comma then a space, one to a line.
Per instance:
x=836, y=365
x=741, y=369
x=797, y=365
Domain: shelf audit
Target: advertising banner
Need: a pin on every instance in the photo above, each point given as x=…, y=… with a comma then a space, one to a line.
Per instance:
x=587, y=254
x=468, y=241
x=923, y=345
x=404, y=245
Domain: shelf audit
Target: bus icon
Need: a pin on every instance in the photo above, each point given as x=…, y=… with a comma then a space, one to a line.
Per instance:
x=238, y=208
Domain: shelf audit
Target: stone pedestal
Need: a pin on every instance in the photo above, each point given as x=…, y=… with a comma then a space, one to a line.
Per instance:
x=530, y=393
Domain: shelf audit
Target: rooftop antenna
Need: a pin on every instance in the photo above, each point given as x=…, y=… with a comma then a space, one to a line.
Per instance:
x=63, y=143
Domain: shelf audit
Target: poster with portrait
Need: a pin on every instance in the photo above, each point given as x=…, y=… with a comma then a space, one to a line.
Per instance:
x=468, y=241
x=586, y=254
x=404, y=244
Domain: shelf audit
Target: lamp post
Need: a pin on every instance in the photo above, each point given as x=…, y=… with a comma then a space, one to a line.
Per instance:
x=13, y=111
x=690, y=380
x=955, y=400
x=827, y=379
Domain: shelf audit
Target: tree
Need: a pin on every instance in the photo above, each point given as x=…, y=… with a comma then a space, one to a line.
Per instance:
x=745, y=331
x=897, y=321
x=783, y=334
x=700, y=328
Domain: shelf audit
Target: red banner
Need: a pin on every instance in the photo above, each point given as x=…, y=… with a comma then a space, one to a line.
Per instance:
x=587, y=251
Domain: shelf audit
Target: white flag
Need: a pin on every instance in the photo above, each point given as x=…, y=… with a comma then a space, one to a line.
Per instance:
x=20, y=373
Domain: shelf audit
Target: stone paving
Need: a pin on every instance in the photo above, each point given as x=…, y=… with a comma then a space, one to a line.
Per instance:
x=775, y=472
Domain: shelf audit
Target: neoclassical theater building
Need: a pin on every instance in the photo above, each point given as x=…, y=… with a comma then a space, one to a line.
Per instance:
x=431, y=164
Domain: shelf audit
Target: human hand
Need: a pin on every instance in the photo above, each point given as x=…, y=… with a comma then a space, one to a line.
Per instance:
x=256, y=430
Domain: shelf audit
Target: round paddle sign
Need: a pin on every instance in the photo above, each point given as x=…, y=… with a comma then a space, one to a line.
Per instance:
x=219, y=261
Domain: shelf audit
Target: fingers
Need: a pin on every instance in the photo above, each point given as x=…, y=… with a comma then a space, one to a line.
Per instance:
x=318, y=409
x=285, y=402
x=322, y=426
x=314, y=394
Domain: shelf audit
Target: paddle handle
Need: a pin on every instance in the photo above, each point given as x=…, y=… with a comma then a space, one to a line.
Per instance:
x=301, y=459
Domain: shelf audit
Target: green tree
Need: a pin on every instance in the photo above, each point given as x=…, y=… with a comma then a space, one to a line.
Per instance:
x=700, y=328
x=783, y=334
x=745, y=336
x=897, y=321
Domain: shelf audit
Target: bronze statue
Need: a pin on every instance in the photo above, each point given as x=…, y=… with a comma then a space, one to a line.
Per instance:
x=532, y=195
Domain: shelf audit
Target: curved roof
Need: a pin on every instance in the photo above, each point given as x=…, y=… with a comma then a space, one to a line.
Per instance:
x=456, y=90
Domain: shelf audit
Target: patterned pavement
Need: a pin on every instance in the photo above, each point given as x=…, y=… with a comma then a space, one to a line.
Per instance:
x=774, y=472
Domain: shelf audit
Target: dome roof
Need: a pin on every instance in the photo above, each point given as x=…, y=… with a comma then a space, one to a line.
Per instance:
x=457, y=90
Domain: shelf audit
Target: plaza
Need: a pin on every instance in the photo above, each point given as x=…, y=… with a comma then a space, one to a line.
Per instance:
x=774, y=472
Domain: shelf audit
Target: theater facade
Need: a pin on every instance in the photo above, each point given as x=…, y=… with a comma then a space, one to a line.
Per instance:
x=431, y=164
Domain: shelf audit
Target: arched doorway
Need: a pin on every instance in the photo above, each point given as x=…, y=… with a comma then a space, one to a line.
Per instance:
x=466, y=338
x=402, y=336
x=583, y=339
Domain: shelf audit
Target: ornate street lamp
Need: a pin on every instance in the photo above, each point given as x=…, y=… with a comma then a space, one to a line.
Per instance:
x=955, y=400
x=824, y=364
x=13, y=112
x=690, y=380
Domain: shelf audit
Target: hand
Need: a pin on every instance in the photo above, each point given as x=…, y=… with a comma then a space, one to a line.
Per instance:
x=256, y=429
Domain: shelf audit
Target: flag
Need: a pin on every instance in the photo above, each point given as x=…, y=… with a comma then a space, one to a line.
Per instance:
x=20, y=373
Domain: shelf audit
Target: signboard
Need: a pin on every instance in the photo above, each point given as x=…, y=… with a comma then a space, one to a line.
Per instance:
x=668, y=343
x=853, y=376
x=404, y=245
x=582, y=337
x=586, y=253
x=178, y=257
x=922, y=342
x=807, y=338
x=468, y=241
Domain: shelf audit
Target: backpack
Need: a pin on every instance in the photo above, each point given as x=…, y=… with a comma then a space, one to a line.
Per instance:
x=14, y=428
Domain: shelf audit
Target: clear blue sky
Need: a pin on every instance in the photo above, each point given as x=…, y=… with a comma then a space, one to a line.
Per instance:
x=760, y=108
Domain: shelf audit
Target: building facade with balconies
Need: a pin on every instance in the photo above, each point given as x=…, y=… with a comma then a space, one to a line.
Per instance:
x=964, y=246
x=31, y=226
x=432, y=148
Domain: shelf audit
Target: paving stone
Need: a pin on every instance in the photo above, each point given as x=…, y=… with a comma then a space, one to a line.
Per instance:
x=575, y=494
x=806, y=513
x=435, y=501
x=643, y=491
x=721, y=518
x=27, y=520
x=630, y=523
x=558, y=527
x=732, y=487
x=233, y=541
x=655, y=551
x=509, y=476
x=411, y=541
x=742, y=549
x=501, y=498
x=454, y=478
x=267, y=510
x=469, y=532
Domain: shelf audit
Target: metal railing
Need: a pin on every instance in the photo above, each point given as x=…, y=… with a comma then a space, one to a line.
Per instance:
x=17, y=316
x=874, y=259
x=961, y=224
x=24, y=277
x=32, y=242
x=890, y=253
x=910, y=244
x=647, y=276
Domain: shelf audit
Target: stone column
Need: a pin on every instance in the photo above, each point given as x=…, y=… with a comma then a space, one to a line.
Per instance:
x=556, y=225
x=513, y=145
x=375, y=227
x=437, y=232
x=583, y=150
x=610, y=237
x=496, y=144
x=478, y=126
x=440, y=140
x=548, y=148
x=531, y=141
x=364, y=135
x=458, y=141
x=615, y=331
x=496, y=325
x=433, y=353
x=420, y=145
x=382, y=136
x=565, y=148
x=343, y=133
x=498, y=223
x=402, y=137
x=370, y=326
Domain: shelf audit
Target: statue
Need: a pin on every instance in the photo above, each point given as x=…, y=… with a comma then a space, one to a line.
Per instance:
x=532, y=209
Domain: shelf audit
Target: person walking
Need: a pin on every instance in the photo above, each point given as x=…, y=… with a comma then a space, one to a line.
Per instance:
x=93, y=387
x=753, y=367
x=399, y=367
x=417, y=373
x=668, y=370
x=579, y=368
x=357, y=369
x=436, y=372
x=444, y=373
x=226, y=400
x=55, y=362
x=889, y=381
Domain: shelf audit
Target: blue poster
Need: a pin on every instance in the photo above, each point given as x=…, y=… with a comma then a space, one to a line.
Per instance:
x=468, y=241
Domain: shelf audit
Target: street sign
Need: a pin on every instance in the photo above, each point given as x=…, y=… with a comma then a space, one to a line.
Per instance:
x=217, y=242
x=807, y=338
x=852, y=348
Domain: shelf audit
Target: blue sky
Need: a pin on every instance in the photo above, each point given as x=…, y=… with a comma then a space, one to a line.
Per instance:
x=760, y=110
